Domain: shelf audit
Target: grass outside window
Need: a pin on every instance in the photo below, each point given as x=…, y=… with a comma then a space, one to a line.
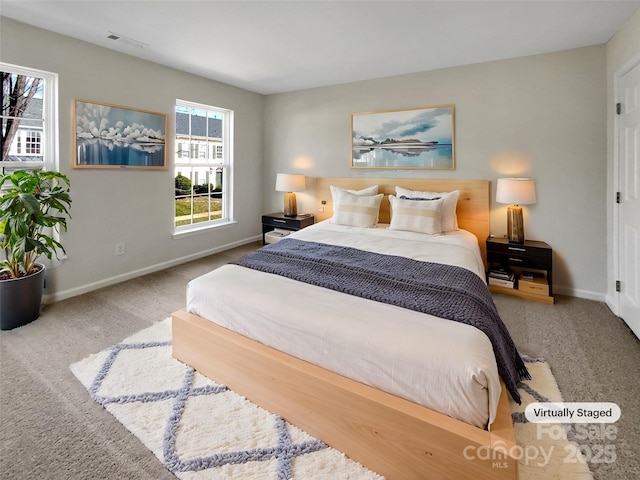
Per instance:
x=202, y=205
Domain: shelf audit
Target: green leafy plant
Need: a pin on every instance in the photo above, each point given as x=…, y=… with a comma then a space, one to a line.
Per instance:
x=183, y=185
x=33, y=206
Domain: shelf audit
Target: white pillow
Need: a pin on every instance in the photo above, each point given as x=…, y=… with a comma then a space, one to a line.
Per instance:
x=449, y=218
x=365, y=191
x=355, y=209
x=422, y=216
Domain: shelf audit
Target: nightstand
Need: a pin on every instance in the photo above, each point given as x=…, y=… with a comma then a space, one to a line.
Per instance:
x=531, y=256
x=277, y=220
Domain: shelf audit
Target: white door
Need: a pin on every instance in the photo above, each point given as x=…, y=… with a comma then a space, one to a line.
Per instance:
x=629, y=188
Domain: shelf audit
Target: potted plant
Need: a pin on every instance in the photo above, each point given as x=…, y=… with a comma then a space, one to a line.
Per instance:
x=33, y=207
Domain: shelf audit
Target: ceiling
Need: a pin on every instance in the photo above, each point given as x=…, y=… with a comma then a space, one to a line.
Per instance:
x=278, y=46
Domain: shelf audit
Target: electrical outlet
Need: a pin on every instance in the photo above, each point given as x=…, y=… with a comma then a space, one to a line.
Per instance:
x=120, y=250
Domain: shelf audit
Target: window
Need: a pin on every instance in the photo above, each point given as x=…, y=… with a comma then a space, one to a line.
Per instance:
x=33, y=143
x=203, y=166
x=29, y=133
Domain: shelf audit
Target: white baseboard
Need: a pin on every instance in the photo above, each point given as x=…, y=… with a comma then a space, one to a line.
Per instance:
x=73, y=292
x=612, y=304
x=573, y=292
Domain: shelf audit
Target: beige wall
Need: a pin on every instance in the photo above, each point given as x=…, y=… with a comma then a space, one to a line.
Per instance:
x=623, y=52
x=541, y=116
x=132, y=206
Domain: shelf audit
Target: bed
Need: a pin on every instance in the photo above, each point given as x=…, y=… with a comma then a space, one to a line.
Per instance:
x=346, y=382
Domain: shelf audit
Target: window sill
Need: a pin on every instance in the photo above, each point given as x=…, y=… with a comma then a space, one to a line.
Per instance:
x=198, y=230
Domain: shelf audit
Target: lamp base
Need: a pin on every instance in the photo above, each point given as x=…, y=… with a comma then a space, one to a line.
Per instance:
x=290, y=205
x=515, y=224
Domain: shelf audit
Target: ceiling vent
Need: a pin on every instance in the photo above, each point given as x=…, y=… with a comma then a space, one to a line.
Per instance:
x=129, y=41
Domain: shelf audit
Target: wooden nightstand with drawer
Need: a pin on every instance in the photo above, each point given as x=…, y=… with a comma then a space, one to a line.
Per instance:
x=279, y=221
x=532, y=263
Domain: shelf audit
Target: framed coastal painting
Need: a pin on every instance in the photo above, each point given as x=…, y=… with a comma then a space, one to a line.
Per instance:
x=113, y=136
x=418, y=138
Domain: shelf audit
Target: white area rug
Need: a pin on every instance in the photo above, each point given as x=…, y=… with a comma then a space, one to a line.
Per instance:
x=201, y=430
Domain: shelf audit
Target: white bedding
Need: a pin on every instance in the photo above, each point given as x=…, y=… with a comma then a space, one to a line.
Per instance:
x=443, y=365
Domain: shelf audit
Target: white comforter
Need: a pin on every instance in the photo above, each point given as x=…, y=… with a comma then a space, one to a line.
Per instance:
x=443, y=365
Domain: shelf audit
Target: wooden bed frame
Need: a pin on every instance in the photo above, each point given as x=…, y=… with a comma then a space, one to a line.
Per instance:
x=394, y=437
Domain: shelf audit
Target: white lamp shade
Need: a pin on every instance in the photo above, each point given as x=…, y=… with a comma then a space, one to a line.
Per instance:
x=290, y=183
x=516, y=191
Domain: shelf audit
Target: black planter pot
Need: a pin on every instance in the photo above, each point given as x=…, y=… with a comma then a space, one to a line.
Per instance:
x=20, y=299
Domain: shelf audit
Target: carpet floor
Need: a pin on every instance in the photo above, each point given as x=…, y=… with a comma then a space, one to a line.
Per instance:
x=50, y=428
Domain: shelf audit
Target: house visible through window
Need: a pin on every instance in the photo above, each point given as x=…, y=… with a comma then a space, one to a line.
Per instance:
x=29, y=119
x=203, y=166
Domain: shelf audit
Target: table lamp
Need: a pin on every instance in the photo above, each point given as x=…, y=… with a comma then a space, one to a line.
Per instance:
x=516, y=192
x=289, y=183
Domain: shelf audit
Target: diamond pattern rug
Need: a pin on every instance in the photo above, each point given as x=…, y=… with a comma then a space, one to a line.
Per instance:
x=201, y=430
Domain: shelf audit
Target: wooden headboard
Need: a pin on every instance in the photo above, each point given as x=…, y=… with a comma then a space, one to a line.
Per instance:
x=473, y=203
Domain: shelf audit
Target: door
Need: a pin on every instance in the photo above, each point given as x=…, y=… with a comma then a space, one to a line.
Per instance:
x=629, y=206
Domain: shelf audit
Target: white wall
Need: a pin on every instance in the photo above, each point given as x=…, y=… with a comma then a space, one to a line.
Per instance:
x=541, y=116
x=132, y=206
x=623, y=50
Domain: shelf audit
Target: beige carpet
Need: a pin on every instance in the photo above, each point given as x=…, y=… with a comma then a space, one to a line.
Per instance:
x=50, y=428
x=200, y=430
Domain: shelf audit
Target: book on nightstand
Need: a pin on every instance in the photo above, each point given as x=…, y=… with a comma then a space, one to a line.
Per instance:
x=499, y=282
x=276, y=235
x=501, y=277
x=526, y=275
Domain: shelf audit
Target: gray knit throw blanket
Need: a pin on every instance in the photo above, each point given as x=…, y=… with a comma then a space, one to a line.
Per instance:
x=445, y=291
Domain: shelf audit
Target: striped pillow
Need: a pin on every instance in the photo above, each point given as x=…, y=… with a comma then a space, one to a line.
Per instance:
x=355, y=210
x=416, y=215
x=449, y=218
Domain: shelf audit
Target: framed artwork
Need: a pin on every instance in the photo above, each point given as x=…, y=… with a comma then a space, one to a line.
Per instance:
x=418, y=138
x=112, y=136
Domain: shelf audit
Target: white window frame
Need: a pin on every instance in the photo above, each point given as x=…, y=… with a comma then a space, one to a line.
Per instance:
x=226, y=163
x=49, y=138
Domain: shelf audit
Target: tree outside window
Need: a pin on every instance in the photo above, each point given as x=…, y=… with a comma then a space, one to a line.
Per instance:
x=28, y=133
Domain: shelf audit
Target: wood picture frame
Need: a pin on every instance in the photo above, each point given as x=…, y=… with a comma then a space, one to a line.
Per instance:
x=115, y=136
x=416, y=139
